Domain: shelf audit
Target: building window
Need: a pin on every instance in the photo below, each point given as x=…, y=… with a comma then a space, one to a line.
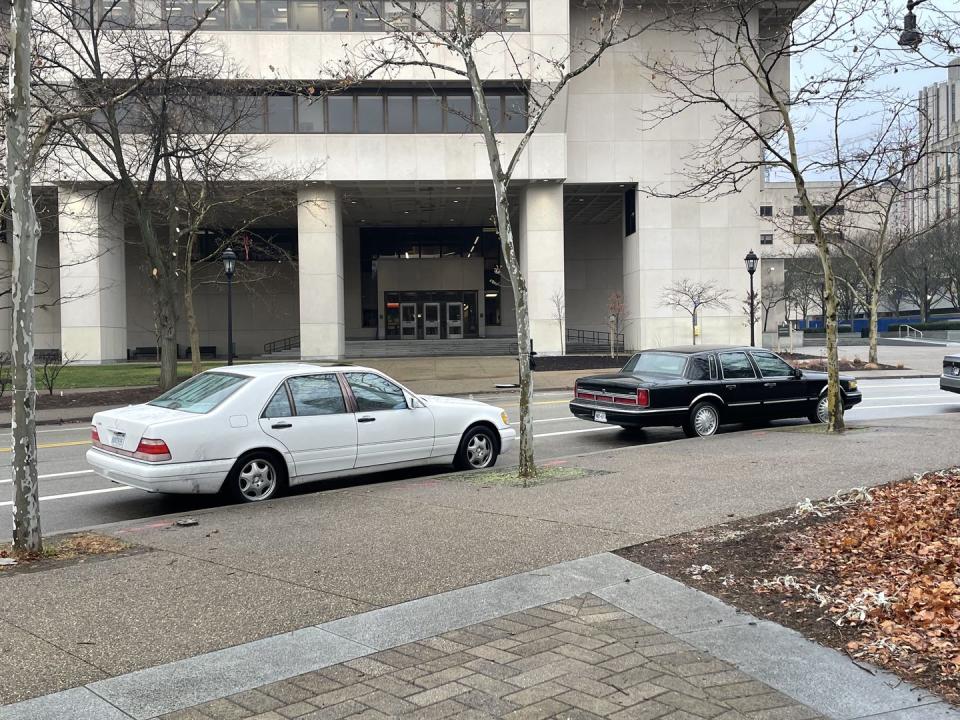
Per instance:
x=766, y=239
x=308, y=111
x=304, y=15
x=810, y=239
x=630, y=211
x=766, y=211
x=800, y=211
x=953, y=102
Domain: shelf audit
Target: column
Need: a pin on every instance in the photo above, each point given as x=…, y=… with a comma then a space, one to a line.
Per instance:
x=320, y=251
x=541, y=261
x=93, y=296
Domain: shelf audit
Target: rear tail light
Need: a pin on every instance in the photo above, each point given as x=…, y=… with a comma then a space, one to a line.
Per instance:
x=643, y=397
x=94, y=435
x=152, y=450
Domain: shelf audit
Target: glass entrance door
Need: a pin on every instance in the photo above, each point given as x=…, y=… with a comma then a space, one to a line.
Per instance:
x=408, y=321
x=431, y=321
x=454, y=320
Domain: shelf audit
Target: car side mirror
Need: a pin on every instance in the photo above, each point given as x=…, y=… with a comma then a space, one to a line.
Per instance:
x=414, y=403
x=797, y=373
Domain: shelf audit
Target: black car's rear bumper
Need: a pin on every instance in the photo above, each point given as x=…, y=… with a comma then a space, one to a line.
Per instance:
x=633, y=417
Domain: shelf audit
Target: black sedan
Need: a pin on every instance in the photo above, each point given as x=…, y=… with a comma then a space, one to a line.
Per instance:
x=700, y=387
x=950, y=380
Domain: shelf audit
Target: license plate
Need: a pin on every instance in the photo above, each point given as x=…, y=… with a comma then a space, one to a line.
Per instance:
x=117, y=438
x=600, y=416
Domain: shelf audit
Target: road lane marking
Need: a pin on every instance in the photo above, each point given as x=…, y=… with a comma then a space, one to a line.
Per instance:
x=8, y=503
x=55, y=475
x=902, y=397
x=575, y=432
x=889, y=407
x=68, y=443
x=559, y=419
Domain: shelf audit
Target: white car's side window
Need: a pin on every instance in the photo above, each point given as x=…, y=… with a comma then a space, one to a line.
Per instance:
x=374, y=392
x=316, y=395
x=279, y=406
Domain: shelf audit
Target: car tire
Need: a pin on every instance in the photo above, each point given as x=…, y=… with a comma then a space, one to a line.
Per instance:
x=703, y=421
x=820, y=413
x=255, y=477
x=478, y=449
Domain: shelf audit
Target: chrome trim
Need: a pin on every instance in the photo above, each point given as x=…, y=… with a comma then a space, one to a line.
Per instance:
x=701, y=396
x=624, y=409
x=774, y=402
x=742, y=404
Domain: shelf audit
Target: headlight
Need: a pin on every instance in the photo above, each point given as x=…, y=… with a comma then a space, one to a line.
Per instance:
x=504, y=417
x=852, y=385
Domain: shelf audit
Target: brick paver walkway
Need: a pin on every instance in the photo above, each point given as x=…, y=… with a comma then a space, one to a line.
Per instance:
x=579, y=658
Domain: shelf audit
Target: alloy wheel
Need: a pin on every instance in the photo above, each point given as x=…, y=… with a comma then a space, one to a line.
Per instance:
x=479, y=451
x=706, y=421
x=257, y=480
x=823, y=410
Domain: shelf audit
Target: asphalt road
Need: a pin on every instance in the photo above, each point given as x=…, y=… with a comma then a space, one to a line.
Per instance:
x=72, y=497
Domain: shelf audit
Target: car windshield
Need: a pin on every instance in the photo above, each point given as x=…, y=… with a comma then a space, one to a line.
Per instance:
x=201, y=393
x=654, y=362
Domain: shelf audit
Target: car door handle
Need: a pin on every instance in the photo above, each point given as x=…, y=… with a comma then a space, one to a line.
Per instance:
x=769, y=384
x=366, y=419
x=731, y=387
x=281, y=426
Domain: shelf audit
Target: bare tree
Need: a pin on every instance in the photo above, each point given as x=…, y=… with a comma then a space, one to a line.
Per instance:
x=842, y=87
x=617, y=308
x=558, y=301
x=474, y=29
x=133, y=87
x=52, y=364
x=692, y=296
x=917, y=273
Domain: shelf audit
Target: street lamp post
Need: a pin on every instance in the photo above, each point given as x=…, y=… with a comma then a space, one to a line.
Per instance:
x=229, y=265
x=751, y=261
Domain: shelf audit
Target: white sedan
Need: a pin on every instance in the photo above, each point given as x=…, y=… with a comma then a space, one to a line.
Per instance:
x=251, y=430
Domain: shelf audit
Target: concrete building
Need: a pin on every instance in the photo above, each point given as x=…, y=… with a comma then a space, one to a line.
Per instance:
x=936, y=179
x=392, y=237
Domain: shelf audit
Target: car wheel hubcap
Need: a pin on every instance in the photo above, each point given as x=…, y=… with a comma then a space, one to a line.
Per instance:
x=479, y=451
x=705, y=421
x=823, y=410
x=258, y=480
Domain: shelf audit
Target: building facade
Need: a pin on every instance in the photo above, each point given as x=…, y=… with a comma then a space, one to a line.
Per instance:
x=391, y=239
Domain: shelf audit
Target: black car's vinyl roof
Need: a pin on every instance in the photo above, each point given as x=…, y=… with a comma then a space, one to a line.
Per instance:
x=694, y=349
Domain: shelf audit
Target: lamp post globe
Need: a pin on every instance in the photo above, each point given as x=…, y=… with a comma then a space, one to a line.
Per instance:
x=751, y=261
x=229, y=258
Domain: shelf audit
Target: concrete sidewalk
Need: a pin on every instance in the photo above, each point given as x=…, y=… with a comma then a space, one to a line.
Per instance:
x=248, y=573
x=598, y=637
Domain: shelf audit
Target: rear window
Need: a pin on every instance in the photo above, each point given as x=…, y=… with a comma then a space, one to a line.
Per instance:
x=201, y=393
x=660, y=363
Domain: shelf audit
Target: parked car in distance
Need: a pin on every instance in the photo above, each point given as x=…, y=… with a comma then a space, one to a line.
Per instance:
x=950, y=379
x=701, y=387
x=251, y=430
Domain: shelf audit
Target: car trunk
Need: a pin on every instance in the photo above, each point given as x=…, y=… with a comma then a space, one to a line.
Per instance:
x=621, y=383
x=124, y=427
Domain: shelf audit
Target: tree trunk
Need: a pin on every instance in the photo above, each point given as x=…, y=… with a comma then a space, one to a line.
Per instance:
x=164, y=288
x=873, y=312
x=834, y=399
x=26, y=494
x=527, y=469
x=693, y=329
x=196, y=364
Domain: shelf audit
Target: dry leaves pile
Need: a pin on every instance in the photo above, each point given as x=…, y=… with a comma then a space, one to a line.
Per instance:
x=70, y=547
x=894, y=565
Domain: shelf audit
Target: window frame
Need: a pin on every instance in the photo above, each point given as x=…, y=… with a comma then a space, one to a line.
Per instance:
x=746, y=357
x=755, y=353
x=286, y=389
x=347, y=406
x=356, y=401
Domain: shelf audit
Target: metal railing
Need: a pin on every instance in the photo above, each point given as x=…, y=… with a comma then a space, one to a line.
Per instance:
x=911, y=332
x=287, y=343
x=598, y=340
